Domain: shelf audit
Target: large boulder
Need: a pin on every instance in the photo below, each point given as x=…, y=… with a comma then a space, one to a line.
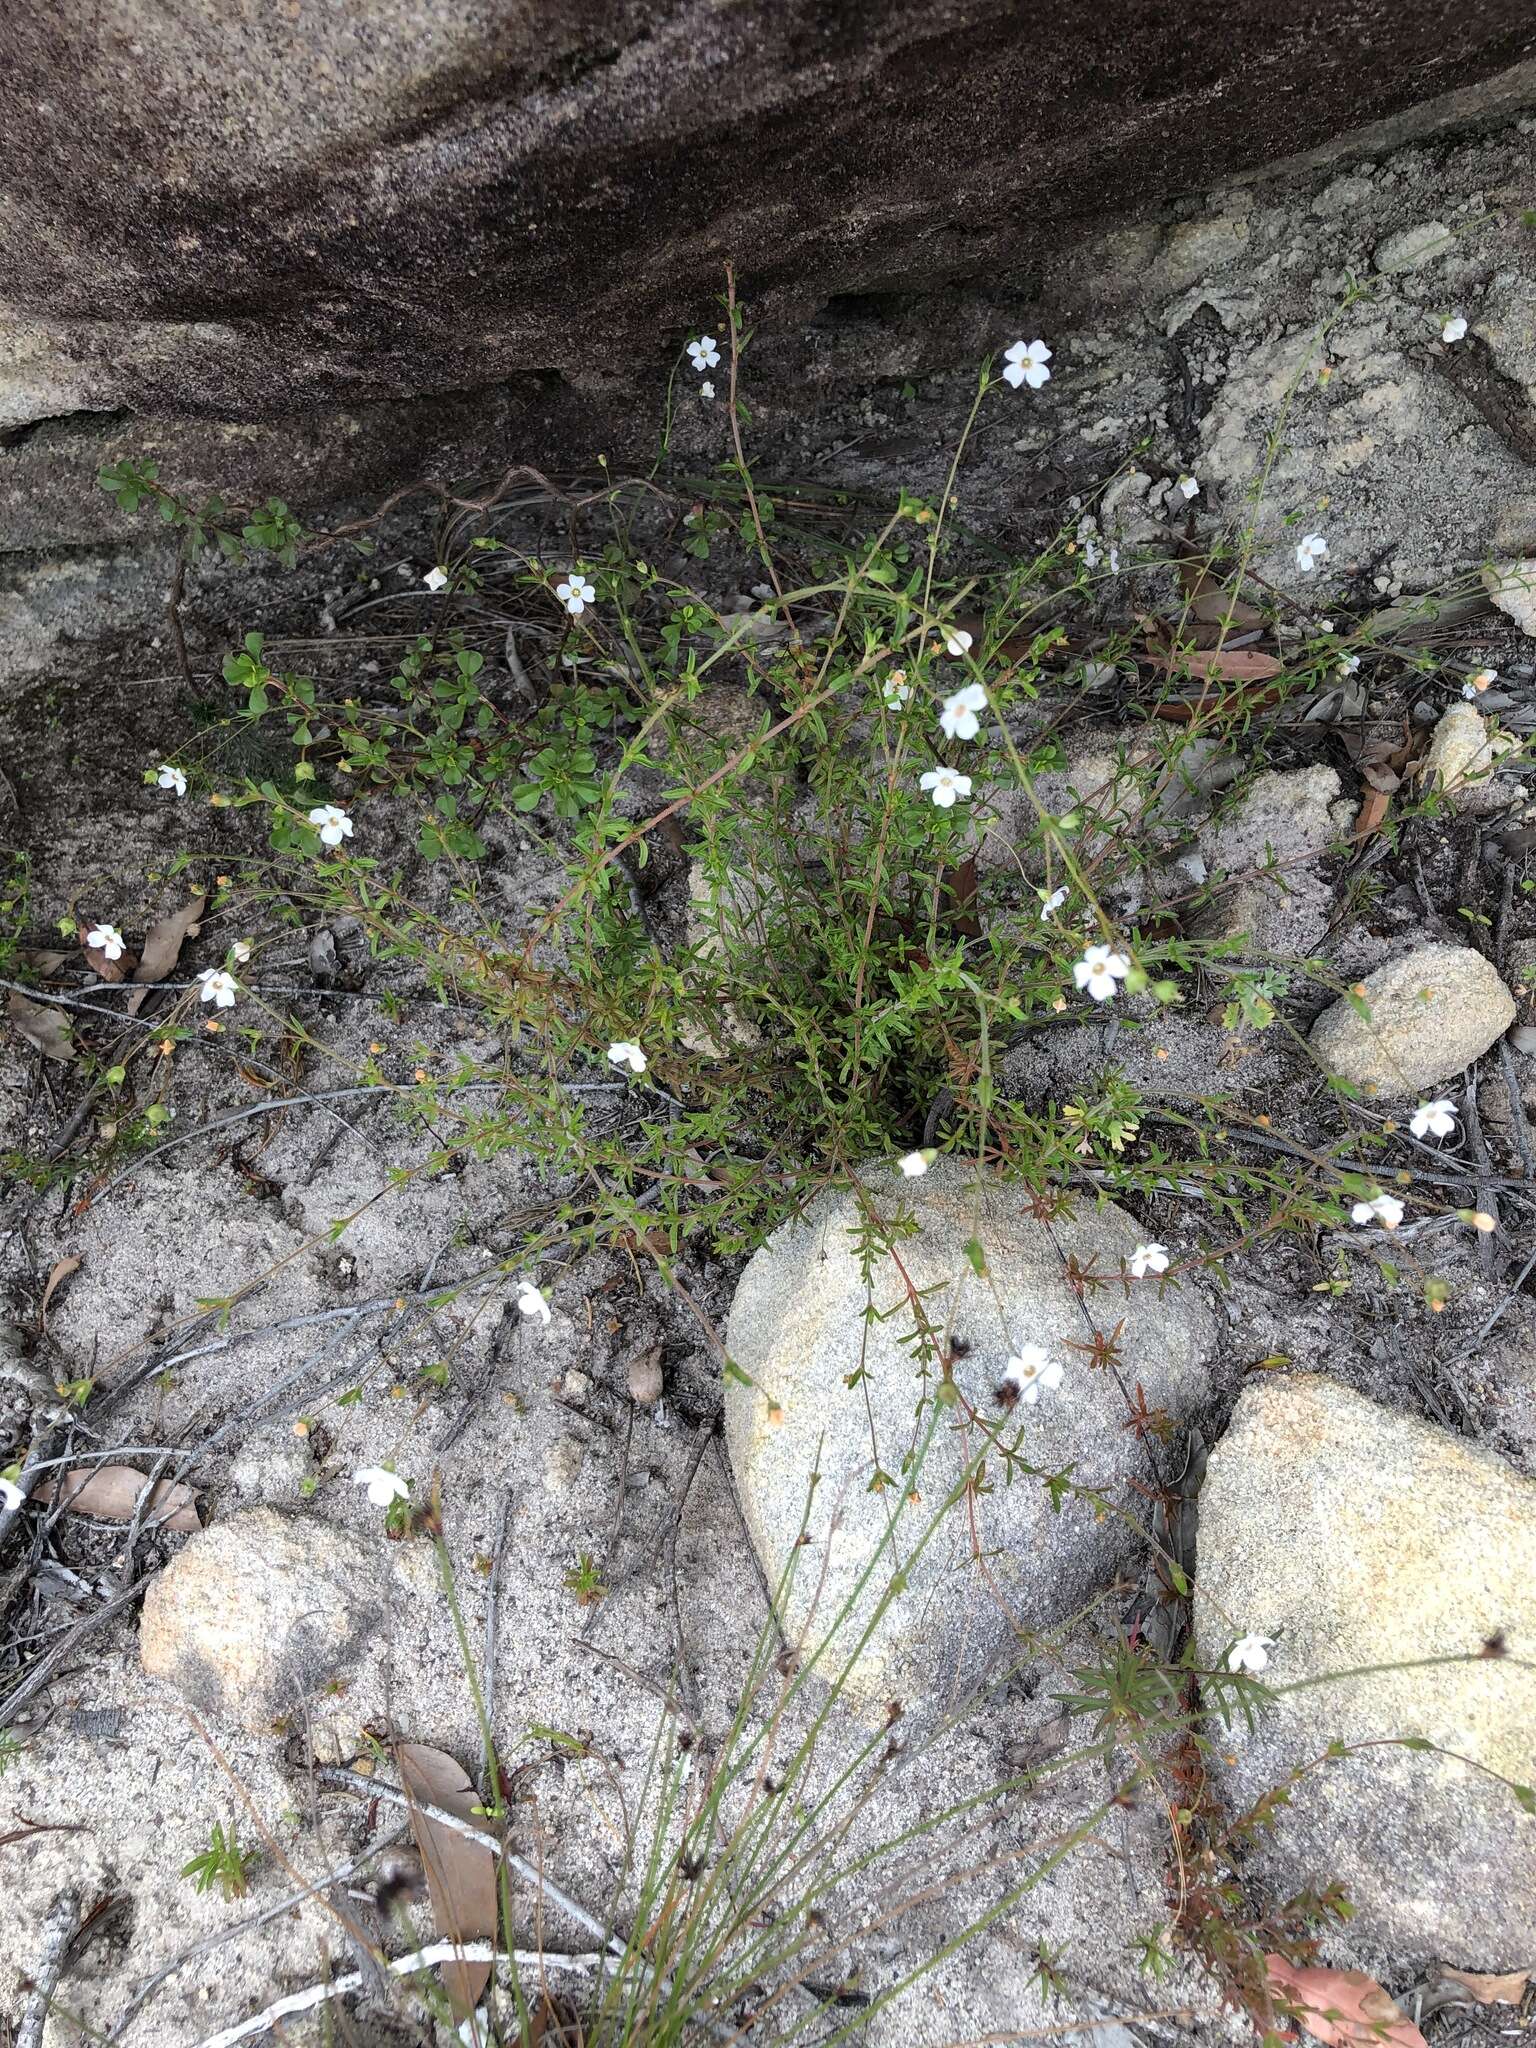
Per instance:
x=1357, y=1537
x=836, y=1392
x=1427, y=1016
x=251, y=211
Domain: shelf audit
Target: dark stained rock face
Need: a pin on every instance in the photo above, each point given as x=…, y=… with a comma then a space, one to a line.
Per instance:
x=248, y=211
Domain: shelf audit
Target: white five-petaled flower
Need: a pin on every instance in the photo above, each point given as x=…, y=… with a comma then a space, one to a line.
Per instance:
x=1100, y=970
x=958, y=716
x=1310, y=550
x=914, y=1165
x=218, y=988
x=945, y=785
x=1024, y=363
x=1148, y=1258
x=11, y=1495
x=1250, y=1654
x=384, y=1487
x=957, y=641
x=332, y=823
x=169, y=776
x=1033, y=1373
x=703, y=353
x=706, y=389
x=1475, y=684
x=240, y=952
x=1455, y=329
x=532, y=1301
x=1348, y=663
x=1433, y=1119
x=896, y=691
x=1386, y=1210
x=1189, y=486
x=1053, y=902
x=625, y=1053
x=107, y=940
x=436, y=579
x=575, y=593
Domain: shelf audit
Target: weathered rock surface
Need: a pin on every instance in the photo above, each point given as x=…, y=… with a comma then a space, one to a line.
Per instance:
x=257, y=1613
x=1512, y=586
x=1269, y=846
x=1356, y=1536
x=1431, y=1013
x=798, y=1326
x=251, y=213
x=1462, y=759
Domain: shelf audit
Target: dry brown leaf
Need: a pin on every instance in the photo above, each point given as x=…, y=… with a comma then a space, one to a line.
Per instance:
x=461, y=1875
x=111, y=1494
x=40, y=1024
x=1381, y=777
x=1492, y=1990
x=1220, y=607
x=1372, y=813
x=162, y=946
x=1222, y=664
x=56, y=1279
x=1343, y=2008
x=645, y=1377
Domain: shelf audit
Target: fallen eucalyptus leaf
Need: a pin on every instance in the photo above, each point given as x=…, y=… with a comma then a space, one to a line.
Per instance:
x=110, y=1493
x=162, y=947
x=1343, y=2008
x=56, y=1279
x=1492, y=1990
x=461, y=1875
x=43, y=1026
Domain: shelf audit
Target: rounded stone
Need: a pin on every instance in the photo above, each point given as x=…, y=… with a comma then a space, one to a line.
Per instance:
x=1431, y=1014
x=1356, y=1537
x=256, y=1614
x=1463, y=757
x=850, y=1472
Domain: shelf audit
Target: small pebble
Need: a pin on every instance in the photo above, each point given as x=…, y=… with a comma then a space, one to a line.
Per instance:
x=1523, y=1038
x=562, y=1464
x=577, y=1386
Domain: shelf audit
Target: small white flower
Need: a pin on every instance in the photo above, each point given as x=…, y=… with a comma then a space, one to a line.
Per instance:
x=1034, y=1374
x=384, y=1487
x=1114, y=560
x=1384, y=1209
x=219, y=988
x=1148, y=1258
x=1100, y=968
x=1250, y=1654
x=956, y=641
x=169, y=776
x=240, y=952
x=11, y=1495
x=1053, y=903
x=1189, y=486
x=436, y=579
x=947, y=787
x=1455, y=329
x=532, y=1301
x=106, y=940
x=1433, y=1119
x=1024, y=363
x=896, y=691
x=958, y=716
x=332, y=823
x=703, y=353
x=1475, y=685
x=1348, y=663
x=914, y=1165
x=575, y=593
x=625, y=1053
x=1310, y=550
x=706, y=389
